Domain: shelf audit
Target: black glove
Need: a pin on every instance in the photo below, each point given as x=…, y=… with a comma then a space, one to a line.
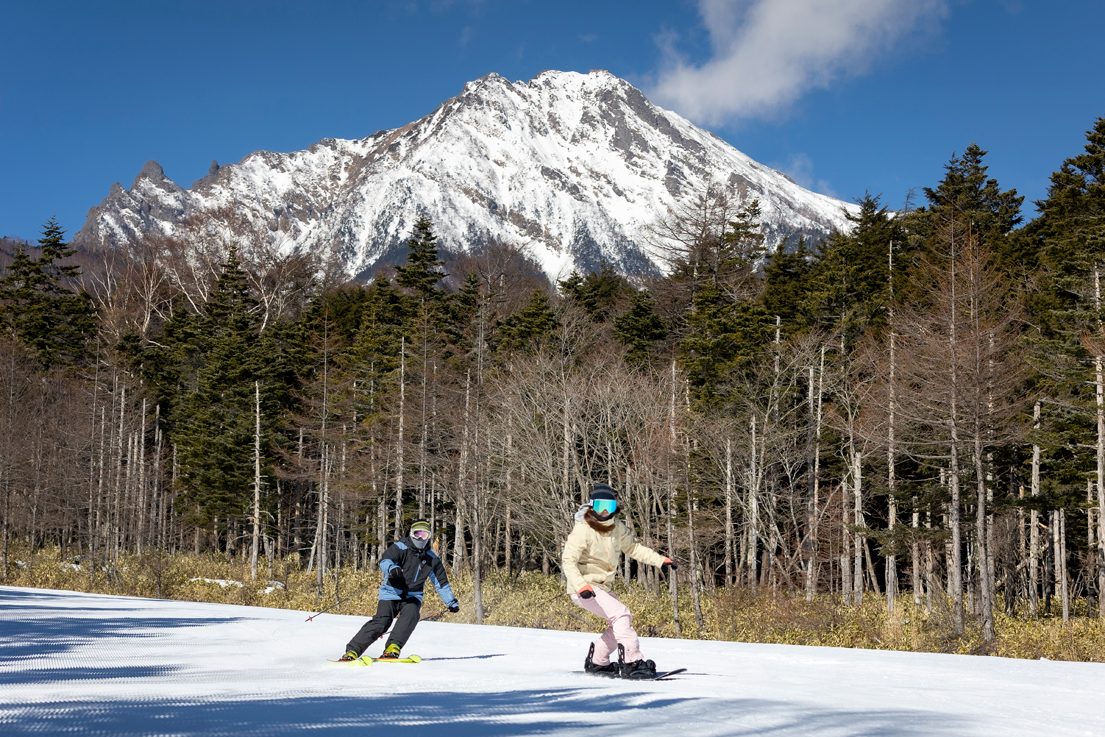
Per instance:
x=454, y=607
x=669, y=563
x=586, y=592
x=396, y=578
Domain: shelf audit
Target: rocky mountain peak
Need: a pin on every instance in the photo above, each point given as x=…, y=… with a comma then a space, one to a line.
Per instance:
x=570, y=166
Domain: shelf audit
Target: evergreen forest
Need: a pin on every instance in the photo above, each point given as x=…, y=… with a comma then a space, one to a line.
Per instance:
x=912, y=410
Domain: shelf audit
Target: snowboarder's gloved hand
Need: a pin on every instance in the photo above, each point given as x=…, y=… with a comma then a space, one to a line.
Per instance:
x=454, y=607
x=586, y=592
x=396, y=577
x=669, y=563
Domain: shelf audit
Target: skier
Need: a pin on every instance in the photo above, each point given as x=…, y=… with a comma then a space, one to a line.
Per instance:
x=406, y=565
x=590, y=560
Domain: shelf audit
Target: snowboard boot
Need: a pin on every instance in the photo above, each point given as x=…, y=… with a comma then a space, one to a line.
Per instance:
x=610, y=670
x=391, y=652
x=349, y=656
x=638, y=670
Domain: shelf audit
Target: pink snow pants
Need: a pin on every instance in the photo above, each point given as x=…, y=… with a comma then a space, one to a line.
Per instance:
x=606, y=605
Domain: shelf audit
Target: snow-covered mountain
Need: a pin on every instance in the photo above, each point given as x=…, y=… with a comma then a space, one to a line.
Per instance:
x=571, y=166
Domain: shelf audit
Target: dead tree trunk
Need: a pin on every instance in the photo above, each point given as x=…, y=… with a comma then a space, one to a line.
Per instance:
x=397, y=532
x=673, y=586
x=891, y=457
x=1034, y=524
x=729, y=540
x=1099, y=385
x=256, y=480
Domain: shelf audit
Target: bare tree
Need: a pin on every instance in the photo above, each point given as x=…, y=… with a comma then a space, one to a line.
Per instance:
x=958, y=385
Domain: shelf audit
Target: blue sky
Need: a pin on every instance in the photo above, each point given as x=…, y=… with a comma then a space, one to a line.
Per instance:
x=844, y=95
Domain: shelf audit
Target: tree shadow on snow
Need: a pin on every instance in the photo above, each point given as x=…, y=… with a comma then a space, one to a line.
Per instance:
x=40, y=599
x=54, y=635
x=7, y=592
x=522, y=712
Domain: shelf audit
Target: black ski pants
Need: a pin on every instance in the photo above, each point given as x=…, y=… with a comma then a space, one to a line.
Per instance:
x=407, y=611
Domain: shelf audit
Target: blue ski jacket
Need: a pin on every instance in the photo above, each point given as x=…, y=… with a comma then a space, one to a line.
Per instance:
x=417, y=566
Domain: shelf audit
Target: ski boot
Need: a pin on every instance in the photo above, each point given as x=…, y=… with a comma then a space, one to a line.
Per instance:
x=391, y=652
x=610, y=670
x=638, y=670
x=348, y=657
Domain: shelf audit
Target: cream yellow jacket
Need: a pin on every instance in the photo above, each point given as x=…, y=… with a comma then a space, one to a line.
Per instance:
x=591, y=557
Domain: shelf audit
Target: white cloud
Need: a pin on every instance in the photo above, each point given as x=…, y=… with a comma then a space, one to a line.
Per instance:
x=766, y=53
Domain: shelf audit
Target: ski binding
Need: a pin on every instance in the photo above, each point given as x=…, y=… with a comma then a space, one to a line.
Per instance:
x=365, y=660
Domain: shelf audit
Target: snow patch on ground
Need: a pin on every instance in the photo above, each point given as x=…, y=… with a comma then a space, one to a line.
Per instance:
x=222, y=582
x=85, y=664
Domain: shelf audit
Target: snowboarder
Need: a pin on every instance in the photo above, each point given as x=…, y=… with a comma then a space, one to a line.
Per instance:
x=591, y=556
x=405, y=566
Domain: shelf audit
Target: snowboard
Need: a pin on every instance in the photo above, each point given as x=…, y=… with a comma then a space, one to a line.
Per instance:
x=658, y=677
x=365, y=660
x=621, y=662
x=661, y=676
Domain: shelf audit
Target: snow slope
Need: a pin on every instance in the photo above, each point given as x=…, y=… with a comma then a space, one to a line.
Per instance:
x=570, y=166
x=100, y=665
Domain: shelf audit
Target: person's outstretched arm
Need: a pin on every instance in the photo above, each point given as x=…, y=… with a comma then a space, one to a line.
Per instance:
x=635, y=550
x=441, y=583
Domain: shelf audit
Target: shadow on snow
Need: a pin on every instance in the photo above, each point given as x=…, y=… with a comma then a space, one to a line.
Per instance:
x=565, y=711
x=522, y=712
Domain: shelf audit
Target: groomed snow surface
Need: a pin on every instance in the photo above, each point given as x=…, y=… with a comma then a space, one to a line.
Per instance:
x=87, y=664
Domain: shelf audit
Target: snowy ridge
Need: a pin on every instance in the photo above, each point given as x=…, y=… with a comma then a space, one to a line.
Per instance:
x=85, y=664
x=571, y=166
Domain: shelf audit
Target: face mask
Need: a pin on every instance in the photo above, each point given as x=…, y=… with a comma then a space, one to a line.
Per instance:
x=420, y=538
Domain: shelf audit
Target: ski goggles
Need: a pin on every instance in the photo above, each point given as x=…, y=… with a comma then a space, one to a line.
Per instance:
x=604, y=506
x=420, y=534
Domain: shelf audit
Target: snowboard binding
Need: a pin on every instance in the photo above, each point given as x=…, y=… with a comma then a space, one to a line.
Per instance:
x=610, y=670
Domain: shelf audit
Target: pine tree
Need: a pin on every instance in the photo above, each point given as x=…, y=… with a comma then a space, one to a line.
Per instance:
x=215, y=422
x=722, y=343
x=422, y=271
x=786, y=285
x=640, y=327
x=967, y=192
x=598, y=293
x=1069, y=343
x=849, y=285
x=38, y=308
x=1071, y=227
x=524, y=331
x=372, y=360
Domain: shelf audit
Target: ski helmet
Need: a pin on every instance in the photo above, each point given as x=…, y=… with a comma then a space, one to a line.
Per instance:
x=421, y=533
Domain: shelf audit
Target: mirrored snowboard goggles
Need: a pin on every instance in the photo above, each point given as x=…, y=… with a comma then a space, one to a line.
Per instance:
x=420, y=534
x=604, y=506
